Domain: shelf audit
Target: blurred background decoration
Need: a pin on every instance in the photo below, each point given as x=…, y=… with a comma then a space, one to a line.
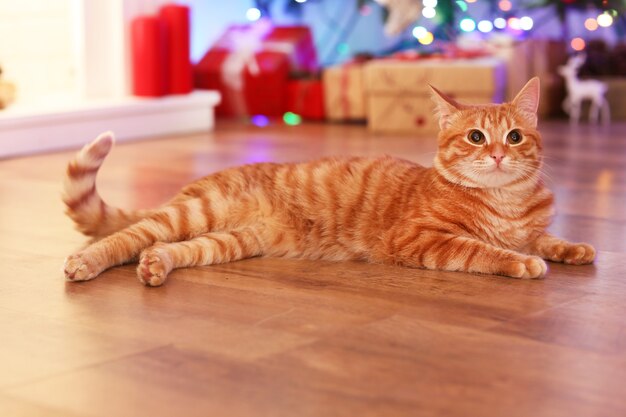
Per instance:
x=358, y=43
x=288, y=61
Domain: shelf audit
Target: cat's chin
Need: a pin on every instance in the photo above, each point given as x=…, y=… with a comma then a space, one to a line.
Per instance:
x=496, y=179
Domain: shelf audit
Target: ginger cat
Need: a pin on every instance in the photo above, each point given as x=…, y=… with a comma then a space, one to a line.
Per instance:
x=482, y=208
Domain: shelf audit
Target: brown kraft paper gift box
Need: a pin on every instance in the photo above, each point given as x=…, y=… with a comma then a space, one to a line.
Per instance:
x=344, y=95
x=533, y=57
x=398, y=96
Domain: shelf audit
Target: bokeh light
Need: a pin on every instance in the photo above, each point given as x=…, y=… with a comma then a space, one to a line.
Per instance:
x=426, y=39
x=260, y=120
x=292, y=119
x=343, y=48
x=471, y=1
x=430, y=3
x=419, y=31
x=591, y=24
x=526, y=23
x=578, y=44
x=605, y=20
x=485, y=26
x=499, y=22
x=505, y=5
x=428, y=12
x=253, y=14
x=514, y=23
x=467, y=25
x=462, y=5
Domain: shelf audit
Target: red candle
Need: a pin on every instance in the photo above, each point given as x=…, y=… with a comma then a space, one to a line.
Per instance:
x=176, y=20
x=148, y=57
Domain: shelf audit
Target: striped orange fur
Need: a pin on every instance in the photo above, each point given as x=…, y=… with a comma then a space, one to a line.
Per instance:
x=481, y=208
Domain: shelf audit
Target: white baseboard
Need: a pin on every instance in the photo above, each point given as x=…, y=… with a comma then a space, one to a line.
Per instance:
x=30, y=130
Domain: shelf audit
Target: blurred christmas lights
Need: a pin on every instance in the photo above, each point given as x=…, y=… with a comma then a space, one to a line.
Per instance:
x=467, y=24
x=526, y=23
x=430, y=3
x=578, y=44
x=591, y=24
x=462, y=5
x=260, y=120
x=505, y=5
x=292, y=119
x=426, y=39
x=485, y=26
x=514, y=23
x=419, y=31
x=499, y=22
x=605, y=20
x=429, y=12
x=253, y=14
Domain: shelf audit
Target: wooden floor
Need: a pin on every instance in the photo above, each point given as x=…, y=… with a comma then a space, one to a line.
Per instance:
x=267, y=337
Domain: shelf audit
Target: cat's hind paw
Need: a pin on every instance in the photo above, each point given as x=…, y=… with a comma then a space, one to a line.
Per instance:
x=530, y=267
x=79, y=267
x=154, y=266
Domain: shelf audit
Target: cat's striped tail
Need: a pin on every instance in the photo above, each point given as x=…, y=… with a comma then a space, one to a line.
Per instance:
x=92, y=216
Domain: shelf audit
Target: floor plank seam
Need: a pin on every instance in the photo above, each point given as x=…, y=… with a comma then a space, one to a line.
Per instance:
x=536, y=313
x=7, y=389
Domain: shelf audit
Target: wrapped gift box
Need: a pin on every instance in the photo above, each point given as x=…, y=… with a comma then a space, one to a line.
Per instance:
x=305, y=97
x=250, y=65
x=344, y=93
x=398, y=96
x=530, y=58
x=297, y=43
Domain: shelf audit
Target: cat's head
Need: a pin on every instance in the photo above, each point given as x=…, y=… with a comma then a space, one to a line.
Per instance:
x=492, y=145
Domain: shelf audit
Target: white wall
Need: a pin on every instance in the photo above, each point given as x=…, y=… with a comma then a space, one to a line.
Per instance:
x=36, y=46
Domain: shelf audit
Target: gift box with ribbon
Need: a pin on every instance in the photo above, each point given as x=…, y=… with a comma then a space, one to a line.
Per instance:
x=344, y=91
x=533, y=57
x=250, y=65
x=305, y=96
x=398, y=96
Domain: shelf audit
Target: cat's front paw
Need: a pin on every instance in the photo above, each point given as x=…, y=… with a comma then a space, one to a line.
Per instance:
x=571, y=253
x=529, y=267
x=579, y=254
x=80, y=267
x=154, y=266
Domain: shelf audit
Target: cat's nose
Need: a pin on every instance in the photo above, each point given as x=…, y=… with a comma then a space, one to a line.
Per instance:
x=497, y=156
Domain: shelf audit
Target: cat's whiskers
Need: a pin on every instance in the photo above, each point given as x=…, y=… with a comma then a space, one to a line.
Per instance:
x=527, y=168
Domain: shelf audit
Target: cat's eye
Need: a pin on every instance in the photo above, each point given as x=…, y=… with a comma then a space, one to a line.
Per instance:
x=514, y=137
x=476, y=137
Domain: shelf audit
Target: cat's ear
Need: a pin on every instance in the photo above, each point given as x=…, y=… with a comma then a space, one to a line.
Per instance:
x=527, y=99
x=446, y=107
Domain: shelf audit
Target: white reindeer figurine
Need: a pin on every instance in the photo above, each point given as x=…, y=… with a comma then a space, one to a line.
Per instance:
x=579, y=90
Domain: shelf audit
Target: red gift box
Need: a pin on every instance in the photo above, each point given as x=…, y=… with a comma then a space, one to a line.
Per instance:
x=261, y=92
x=305, y=97
x=297, y=43
x=250, y=64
